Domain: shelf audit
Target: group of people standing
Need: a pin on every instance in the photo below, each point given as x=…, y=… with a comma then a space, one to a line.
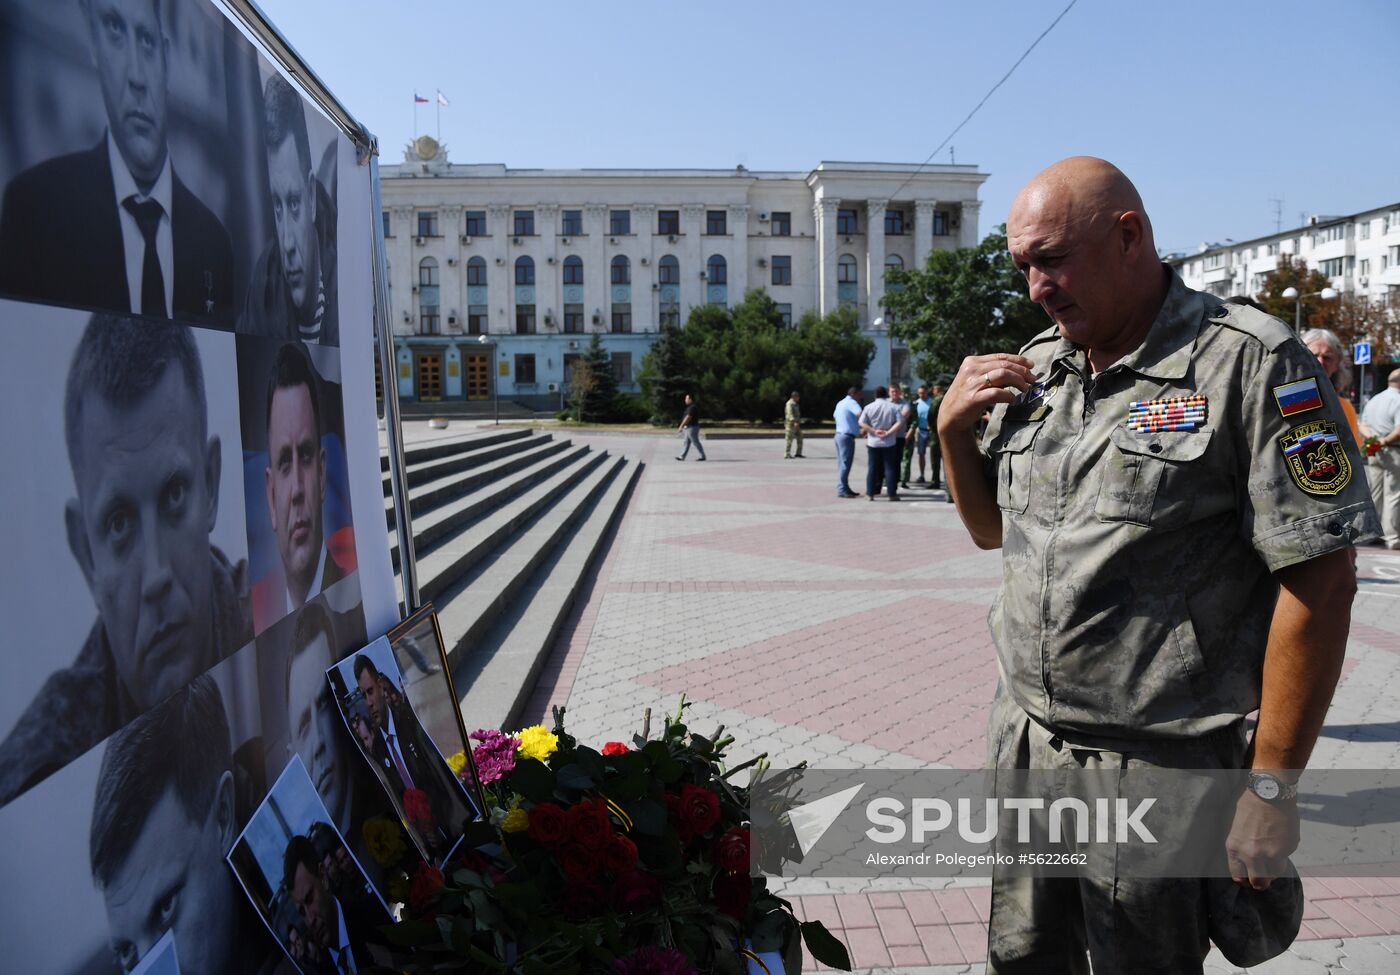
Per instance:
x=896, y=430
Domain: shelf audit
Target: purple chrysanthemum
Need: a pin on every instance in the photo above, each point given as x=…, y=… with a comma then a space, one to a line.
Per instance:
x=495, y=756
x=653, y=961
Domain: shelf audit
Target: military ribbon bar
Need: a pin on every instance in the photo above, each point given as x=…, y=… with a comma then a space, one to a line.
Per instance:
x=1169, y=413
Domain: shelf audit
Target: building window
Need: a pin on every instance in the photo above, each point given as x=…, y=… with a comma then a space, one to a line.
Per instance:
x=1338, y=231
x=621, y=270
x=476, y=272
x=940, y=223
x=668, y=221
x=619, y=222
x=1363, y=267
x=476, y=223
x=1394, y=255
x=894, y=223
x=476, y=319
x=622, y=367
x=1363, y=230
x=781, y=223
x=573, y=319
x=785, y=310
x=524, y=319
x=715, y=223
x=717, y=271
x=428, y=320
x=622, y=318
x=525, y=369
x=846, y=270
x=671, y=314
x=1272, y=249
x=571, y=360
x=668, y=270
x=893, y=262
x=1214, y=260
x=524, y=270
x=1334, y=268
x=524, y=223
x=427, y=223
x=782, y=270
x=385, y=216
x=847, y=222
x=573, y=223
x=428, y=273
x=573, y=270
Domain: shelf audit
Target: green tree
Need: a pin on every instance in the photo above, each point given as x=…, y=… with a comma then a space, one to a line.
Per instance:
x=1308, y=281
x=962, y=302
x=595, y=397
x=665, y=375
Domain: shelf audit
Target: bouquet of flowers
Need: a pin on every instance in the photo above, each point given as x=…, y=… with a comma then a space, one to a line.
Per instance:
x=1371, y=446
x=626, y=860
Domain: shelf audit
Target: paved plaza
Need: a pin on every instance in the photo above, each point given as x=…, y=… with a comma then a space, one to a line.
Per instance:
x=853, y=634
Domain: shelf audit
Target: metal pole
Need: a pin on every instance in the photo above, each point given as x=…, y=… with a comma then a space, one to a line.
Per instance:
x=495, y=387
x=1298, y=316
x=388, y=371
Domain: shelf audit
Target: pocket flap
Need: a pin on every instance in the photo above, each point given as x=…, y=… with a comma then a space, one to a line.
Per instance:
x=1016, y=438
x=1173, y=445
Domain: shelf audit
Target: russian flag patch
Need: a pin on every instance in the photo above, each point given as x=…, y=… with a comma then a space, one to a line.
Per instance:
x=1298, y=397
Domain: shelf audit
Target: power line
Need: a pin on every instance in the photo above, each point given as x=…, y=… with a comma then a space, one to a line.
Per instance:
x=988, y=95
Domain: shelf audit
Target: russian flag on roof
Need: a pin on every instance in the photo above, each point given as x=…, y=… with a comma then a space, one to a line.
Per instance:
x=1298, y=397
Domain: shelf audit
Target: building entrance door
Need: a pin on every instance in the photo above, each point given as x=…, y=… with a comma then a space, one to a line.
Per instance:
x=478, y=376
x=429, y=377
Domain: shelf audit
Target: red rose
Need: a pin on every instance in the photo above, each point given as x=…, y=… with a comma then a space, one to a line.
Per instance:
x=477, y=862
x=699, y=809
x=547, y=824
x=637, y=891
x=589, y=825
x=732, y=851
x=615, y=748
x=732, y=893
x=619, y=855
x=427, y=881
x=418, y=810
x=577, y=862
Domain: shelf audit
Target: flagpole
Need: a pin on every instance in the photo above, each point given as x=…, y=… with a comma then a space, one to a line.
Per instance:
x=439, y=117
x=415, y=115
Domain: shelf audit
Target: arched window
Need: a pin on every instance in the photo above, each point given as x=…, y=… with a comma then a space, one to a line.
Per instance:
x=668, y=270
x=428, y=273
x=716, y=270
x=621, y=270
x=846, y=270
x=476, y=272
x=524, y=270
x=573, y=270
x=894, y=263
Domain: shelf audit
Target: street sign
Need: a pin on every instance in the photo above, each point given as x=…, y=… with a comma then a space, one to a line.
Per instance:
x=1361, y=354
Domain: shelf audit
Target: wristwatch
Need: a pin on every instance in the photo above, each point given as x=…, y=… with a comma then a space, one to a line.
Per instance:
x=1271, y=788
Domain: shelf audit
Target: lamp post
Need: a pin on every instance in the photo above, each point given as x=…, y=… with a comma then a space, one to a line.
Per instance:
x=1326, y=294
x=485, y=340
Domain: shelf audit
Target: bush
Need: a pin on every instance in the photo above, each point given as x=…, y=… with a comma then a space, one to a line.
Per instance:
x=630, y=408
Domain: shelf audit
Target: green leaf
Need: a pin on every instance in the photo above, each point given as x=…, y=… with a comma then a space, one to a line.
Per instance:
x=771, y=931
x=533, y=780
x=824, y=946
x=648, y=816
x=574, y=777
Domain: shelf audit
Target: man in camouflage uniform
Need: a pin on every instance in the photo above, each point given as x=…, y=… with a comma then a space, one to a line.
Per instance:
x=792, y=421
x=1164, y=477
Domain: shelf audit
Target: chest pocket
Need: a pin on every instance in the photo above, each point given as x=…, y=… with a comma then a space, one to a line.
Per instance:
x=1148, y=477
x=1011, y=452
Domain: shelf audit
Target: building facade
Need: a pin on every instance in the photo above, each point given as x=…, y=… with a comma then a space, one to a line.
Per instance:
x=499, y=277
x=1359, y=254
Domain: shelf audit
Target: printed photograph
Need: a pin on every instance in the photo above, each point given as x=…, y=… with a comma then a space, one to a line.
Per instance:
x=369, y=690
x=306, y=885
x=301, y=538
x=418, y=650
x=129, y=509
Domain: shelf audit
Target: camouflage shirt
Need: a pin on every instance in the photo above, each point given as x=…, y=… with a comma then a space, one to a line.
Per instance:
x=1144, y=510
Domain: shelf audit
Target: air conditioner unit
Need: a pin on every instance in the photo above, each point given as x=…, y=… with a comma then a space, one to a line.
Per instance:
x=563, y=240
x=612, y=240
x=515, y=240
x=418, y=241
x=848, y=240
x=655, y=286
x=415, y=289
x=763, y=262
x=452, y=319
x=597, y=319
x=573, y=344
x=671, y=239
x=548, y=320
x=553, y=387
x=763, y=218
x=1362, y=281
x=646, y=261
x=452, y=262
x=407, y=317
x=704, y=276
x=549, y=259
x=500, y=260
x=466, y=239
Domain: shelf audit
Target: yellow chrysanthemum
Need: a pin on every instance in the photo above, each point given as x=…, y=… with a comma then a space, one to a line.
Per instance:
x=457, y=761
x=384, y=840
x=516, y=821
x=537, y=742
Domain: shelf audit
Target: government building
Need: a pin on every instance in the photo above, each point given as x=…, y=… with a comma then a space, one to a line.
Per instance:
x=499, y=277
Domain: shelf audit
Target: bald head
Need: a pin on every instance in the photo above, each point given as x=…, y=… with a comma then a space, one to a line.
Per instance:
x=1394, y=378
x=1079, y=234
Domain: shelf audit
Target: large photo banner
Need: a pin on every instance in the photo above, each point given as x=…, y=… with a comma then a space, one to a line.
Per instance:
x=191, y=512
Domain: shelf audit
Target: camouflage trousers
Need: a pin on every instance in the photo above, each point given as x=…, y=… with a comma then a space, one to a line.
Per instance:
x=794, y=435
x=1117, y=924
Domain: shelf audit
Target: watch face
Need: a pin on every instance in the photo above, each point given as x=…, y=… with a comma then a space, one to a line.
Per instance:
x=1266, y=787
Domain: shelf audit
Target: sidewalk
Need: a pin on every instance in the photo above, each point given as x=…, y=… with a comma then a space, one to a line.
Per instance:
x=851, y=633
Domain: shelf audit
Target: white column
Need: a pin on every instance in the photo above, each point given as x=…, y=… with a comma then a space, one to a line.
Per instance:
x=500, y=274
x=645, y=310
x=548, y=273
x=453, y=290
x=739, y=262
x=968, y=235
x=923, y=231
x=874, y=259
x=596, y=273
x=403, y=269
x=693, y=257
x=825, y=211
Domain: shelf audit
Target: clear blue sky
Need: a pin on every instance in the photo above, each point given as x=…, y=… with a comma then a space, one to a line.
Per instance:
x=1212, y=108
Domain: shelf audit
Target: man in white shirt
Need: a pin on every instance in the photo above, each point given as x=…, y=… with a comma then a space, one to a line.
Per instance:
x=113, y=227
x=882, y=424
x=1381, y=419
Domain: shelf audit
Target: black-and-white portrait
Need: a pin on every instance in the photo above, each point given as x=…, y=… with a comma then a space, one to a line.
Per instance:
x=130, y=132
x=306, y=884
x=368, y=687
x=130, y=508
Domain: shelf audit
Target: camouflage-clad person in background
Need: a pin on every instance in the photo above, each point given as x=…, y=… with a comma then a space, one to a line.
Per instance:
x=1165, y=478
